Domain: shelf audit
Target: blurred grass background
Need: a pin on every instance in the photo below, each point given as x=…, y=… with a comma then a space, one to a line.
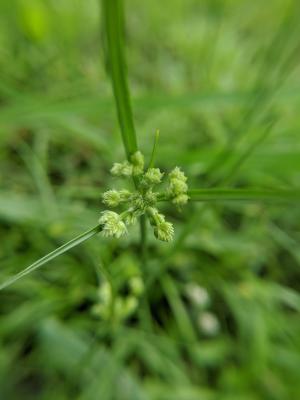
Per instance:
x=214, y=315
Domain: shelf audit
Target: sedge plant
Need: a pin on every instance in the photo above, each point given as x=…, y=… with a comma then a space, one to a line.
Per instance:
x=123, y=208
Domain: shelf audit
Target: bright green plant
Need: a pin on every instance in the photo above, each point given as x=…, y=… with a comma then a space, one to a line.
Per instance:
x=143, y=201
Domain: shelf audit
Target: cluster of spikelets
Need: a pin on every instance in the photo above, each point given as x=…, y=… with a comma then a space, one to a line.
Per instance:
x=143, y=200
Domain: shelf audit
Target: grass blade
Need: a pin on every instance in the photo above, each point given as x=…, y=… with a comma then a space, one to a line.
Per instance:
x=50, y=256
x=266, y=86
x=241, y=195
x=113, y=19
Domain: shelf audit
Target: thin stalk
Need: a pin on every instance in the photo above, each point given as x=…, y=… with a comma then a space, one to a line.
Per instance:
x=50, y=256
x=143, y=239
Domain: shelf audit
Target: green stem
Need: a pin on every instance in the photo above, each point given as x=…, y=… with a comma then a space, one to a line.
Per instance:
x=143, y=239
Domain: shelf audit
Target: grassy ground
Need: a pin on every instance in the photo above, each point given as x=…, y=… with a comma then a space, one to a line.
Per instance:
x=214, y=314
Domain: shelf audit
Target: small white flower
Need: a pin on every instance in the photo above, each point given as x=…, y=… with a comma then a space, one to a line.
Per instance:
x=112, y=224
x=208, y=323
x=198, y=294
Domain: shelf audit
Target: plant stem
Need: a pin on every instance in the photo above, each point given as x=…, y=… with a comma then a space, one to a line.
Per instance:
x=143, y=239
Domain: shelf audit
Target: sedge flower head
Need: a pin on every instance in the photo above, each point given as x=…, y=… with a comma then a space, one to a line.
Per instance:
x=153, y=176
x=164, y=231
x=143, y=200
x=111, y=198
x=124, y=169
x=180, y=200
x=177, y=174
x=137, y=162
x=112, y=224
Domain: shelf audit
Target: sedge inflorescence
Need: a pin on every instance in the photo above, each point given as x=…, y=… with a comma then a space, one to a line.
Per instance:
x=142, y=201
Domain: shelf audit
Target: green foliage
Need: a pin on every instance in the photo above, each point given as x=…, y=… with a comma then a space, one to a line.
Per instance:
x=215, y=313
x=113, y=22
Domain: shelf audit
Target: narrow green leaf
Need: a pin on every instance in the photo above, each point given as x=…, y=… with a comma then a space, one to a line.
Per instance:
x=240, y=195
x=265, y=88
x=50, y=256
x=113, y=20
x=243, y=194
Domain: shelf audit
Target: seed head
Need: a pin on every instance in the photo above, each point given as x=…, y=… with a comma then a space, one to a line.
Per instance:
x=153, y=176
x=130, y=217
x=177, y=174
x=164, y=231
x=177, y=187
x=154, y=217
x=111, y=198
x=138, y=202
x=137, y=162
x=143, y=199
x=150, y=198
x=112, y=224
x=122, y=169
x=180, y=200
x=125, y=195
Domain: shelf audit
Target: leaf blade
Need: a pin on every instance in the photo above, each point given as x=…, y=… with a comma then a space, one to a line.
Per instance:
x=240, y=195
x=114, y=42
x=243, y=195
x=50, y=256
